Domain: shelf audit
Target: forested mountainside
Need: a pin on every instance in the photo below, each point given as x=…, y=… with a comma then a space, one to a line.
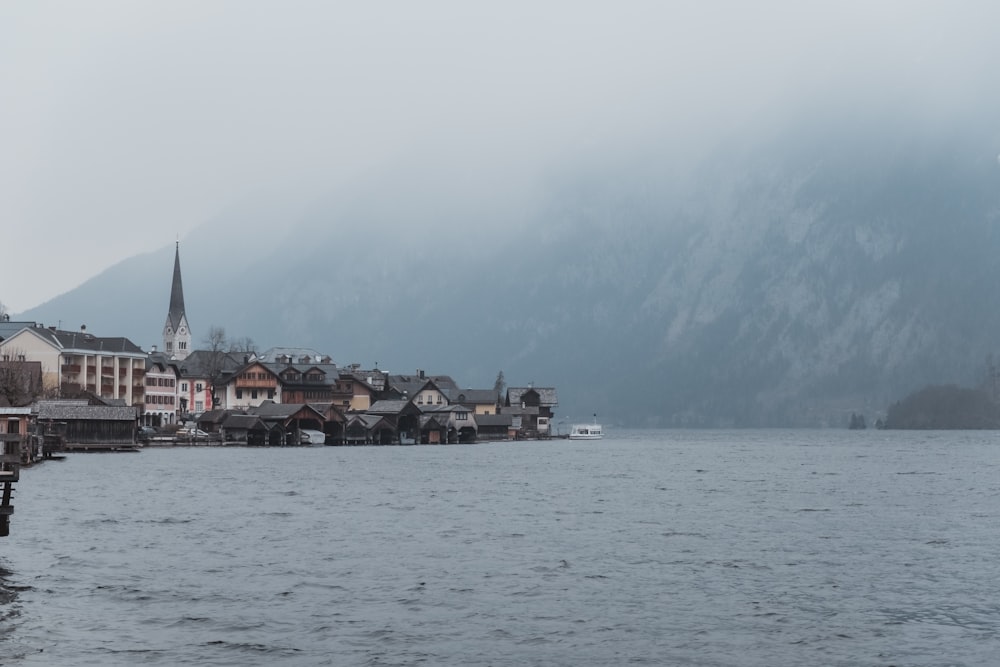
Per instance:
x=791, y=283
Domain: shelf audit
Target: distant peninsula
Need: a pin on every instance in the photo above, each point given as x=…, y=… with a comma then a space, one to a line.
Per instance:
x=944, y=407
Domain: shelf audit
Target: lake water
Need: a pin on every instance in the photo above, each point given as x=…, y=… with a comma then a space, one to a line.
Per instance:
x=649, y=547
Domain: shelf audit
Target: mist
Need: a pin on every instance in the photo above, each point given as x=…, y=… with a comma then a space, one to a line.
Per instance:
x=129, y=125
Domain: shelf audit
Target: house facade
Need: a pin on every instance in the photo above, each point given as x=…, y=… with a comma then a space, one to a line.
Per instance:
x=75, y=362
x=534, y=406
x=160, y=407
x=250, y=386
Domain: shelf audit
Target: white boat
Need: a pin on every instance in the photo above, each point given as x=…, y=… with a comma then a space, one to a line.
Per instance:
x=586, y=431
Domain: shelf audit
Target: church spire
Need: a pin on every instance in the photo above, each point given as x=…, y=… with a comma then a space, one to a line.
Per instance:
x=176, y=332
x=176, y=311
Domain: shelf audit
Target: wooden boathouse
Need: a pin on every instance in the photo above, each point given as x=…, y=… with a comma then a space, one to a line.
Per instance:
x=83, y=427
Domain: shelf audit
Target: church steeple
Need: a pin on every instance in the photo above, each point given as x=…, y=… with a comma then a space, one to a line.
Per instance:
x=176, y=332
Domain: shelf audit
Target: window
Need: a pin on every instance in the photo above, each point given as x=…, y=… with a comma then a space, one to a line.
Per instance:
x=461, y=416
x=199, y=406
x=439, y=399
x=182, y=345
x=239, y=393
x=253, y=394
x=184, y=386
x=199, y=387
x=270, y=393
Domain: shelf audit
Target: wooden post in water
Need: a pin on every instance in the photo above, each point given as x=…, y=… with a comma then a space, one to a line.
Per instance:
x=10, y=468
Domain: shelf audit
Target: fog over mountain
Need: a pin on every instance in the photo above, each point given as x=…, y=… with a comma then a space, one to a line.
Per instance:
x=790, y=279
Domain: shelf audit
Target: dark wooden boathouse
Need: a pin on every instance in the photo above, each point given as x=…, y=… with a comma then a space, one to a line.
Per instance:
x=90, y=427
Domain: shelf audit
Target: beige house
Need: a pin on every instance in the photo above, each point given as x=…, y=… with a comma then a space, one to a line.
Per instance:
x=77, y=361
x=479, y=401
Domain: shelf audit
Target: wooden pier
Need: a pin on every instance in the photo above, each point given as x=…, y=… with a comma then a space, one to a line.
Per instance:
x=10, y=469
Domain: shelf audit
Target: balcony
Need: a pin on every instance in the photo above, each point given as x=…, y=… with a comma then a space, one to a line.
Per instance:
x=71, y=368
x=242, y=383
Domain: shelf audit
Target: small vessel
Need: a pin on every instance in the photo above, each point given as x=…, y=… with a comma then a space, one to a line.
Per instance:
x=586, y=431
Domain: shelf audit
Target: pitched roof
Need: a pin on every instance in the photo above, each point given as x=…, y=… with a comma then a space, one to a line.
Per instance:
x=547, y=396
x=84, y=342
x=441, y=409
x=494, y=420
x=73, y=410
x=387, y=407
x=247, y=422
x=297, y=355
x=474, y=396
x=213, y=416
x=200, y=362
x=8, y=328
x=411, y=384
x=176, y=311
x=366, y=420
x=269, y=410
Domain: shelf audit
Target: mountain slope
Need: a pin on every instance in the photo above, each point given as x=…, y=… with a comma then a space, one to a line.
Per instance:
x=783, y=284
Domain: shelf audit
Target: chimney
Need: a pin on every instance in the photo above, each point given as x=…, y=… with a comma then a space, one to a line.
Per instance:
x=154, y=349
x=420, y=373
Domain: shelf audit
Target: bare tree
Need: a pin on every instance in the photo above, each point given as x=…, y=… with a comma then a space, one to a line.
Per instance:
x=20, y=379
x=215, y=343
x=243, y=345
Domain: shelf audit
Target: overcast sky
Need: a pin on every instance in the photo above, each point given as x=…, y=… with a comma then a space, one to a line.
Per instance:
x=127, y=124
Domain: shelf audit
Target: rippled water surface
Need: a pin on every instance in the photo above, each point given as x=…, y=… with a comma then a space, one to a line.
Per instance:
x=649, y=547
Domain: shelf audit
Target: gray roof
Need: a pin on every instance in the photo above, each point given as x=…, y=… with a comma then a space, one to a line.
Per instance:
x=176, y=292
x=411, y=384
x=297, y=354
x=474, y=396
x=86, y=342
x=387, y=407
x=72, y=410
x=547, y=396
x=442, y=409
x=330, y=370
x=8, y=328
x=158, y=359
x=213, y=416
x=271, y=410
x=199, y=362
x=367, y=420
x=247, y=422
x=494, y=420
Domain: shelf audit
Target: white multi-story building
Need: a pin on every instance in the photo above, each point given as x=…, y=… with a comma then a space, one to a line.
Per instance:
x=77, y=361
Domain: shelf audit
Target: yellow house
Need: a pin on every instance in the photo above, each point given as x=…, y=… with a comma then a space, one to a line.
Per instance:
x=479, y=401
